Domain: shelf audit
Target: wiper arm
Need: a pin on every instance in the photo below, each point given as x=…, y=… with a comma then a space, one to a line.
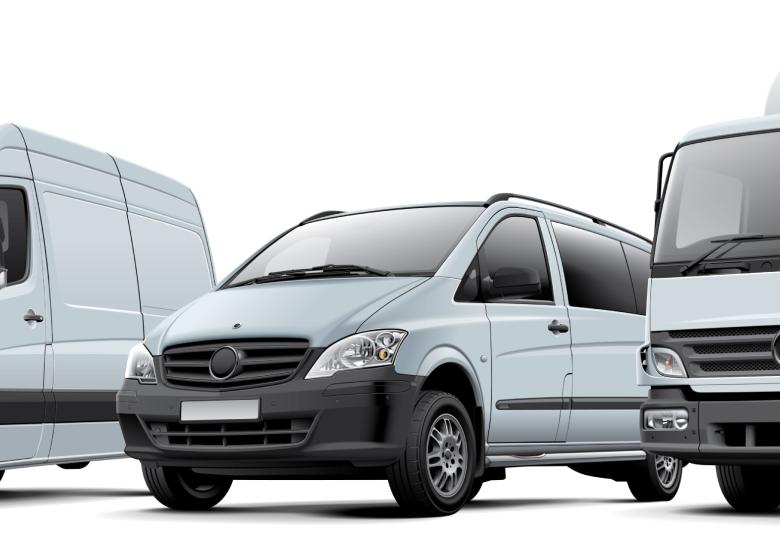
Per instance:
x=720, y=242
x=317, y=271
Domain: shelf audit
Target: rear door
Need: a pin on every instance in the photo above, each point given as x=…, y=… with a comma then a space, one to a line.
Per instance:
x=607, y=326
x=23, y=317
x=530, y=343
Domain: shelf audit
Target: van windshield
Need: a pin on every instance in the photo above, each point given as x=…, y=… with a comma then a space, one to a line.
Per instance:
x=721, y=189
x=407, y=241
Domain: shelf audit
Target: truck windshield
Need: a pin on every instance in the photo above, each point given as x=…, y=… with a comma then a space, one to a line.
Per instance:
x=408, y=241
x=722, y=188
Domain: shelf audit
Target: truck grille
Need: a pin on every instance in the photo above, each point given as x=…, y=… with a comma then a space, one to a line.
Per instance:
x=261, y=362
x=727, y=352
x=231, y=435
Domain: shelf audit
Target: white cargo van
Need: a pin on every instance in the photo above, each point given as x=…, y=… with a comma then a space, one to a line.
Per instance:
x=94, y=252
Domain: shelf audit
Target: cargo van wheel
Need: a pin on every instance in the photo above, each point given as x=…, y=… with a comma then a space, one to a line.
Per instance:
x=656, y=479
x=74, y=466
x=434, y=474
x=750, y=488
x=181, y=488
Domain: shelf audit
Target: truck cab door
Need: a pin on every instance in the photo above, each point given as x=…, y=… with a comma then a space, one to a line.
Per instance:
x=531, y=345
x=23, y=323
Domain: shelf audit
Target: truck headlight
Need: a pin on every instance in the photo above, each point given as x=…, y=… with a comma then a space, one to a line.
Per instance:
x=666, y=419
x=667, y=362
x=362, y=350
x=140, y=365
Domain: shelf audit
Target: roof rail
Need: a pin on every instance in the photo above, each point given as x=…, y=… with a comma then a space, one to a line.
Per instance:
x=506, y=196
x=320, y=215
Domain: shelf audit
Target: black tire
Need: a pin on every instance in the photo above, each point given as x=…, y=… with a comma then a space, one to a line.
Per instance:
x=2, y=473
x=183, y=489
x=74, y=466
x=476, y=486
x=410, y=478
x=656, y=479
x=750, y=489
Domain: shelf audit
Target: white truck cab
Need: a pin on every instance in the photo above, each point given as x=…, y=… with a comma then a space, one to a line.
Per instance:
x=94, y=253
x=712, y=358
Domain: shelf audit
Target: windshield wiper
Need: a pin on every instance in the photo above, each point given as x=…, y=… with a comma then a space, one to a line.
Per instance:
x=318, y=271
x=725, y=240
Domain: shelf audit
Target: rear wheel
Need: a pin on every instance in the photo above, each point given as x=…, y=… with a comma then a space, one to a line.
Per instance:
x=74, y=466
x=434, y=475
x=656, y=479
x=181, y=488
x=750, y=488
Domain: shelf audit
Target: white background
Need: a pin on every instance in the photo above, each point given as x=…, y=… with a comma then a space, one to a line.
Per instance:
x=273, y=111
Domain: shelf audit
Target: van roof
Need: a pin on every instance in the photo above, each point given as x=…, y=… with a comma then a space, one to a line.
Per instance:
x=15, y=141
x=732, y=128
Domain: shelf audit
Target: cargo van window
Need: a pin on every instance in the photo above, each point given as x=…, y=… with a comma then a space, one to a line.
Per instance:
x=595, y=269
x=14, y=234
x=513, y=263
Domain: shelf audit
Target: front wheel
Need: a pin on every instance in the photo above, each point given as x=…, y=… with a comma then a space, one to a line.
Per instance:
x=750, y=488
x=434, y=475
x=183, y=489
x=656, y=479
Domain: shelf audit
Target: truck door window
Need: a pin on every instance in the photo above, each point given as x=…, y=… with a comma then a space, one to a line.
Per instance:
x=639, y=266
x=514, y=249
x=14, y=234
x=595, y=269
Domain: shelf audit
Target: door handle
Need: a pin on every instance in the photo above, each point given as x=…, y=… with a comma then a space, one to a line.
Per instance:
x=557, y=328
x=32, y=316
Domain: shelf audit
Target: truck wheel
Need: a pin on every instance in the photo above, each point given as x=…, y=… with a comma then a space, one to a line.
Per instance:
x=656, y=479
x=434, y=474
x=750, y=488
x=74, y=466
x=183, y=489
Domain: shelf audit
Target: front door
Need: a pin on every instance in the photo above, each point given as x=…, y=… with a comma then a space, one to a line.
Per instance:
x=22, y=317
x=531, y=345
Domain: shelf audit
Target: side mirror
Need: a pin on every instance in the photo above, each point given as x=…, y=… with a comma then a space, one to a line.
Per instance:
x=518, y=283
x=3, y=278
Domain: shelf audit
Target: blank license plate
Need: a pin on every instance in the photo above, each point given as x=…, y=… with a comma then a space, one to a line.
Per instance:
x=229, y=409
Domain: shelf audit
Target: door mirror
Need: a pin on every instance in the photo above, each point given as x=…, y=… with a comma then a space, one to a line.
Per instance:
x=3, y=278
x=516, y=283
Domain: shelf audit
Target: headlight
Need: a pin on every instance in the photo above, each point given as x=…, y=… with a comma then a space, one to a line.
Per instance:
x=140, y=365
x=364, y=350
x=667, y=362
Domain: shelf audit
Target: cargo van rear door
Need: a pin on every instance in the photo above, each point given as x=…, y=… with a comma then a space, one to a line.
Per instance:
x=23, y=320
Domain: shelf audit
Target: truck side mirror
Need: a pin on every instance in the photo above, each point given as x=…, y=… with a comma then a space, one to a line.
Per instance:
x=517, y=283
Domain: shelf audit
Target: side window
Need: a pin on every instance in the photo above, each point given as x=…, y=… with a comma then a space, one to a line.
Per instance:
x=14, y=234
x=513, y=264
x=595, y=269
x=639, y=266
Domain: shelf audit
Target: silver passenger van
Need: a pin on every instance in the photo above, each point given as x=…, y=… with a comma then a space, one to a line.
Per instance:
x=433, y=346
x=94, y=253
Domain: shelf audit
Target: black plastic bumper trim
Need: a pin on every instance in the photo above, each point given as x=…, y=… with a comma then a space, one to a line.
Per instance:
x=21, y=407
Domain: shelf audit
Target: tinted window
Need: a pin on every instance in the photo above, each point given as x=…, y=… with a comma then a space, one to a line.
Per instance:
x=515, y=243
x=639, y=265
x=595, y=269
x=14, y=234
x=408, y=241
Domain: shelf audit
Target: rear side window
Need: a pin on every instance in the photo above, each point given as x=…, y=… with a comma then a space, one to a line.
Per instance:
x=639, y=266
x=14, y=234
x=516, y=243
x=595, y=269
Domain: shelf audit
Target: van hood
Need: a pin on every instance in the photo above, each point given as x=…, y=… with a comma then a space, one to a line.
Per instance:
x=320, y=310
x=711, y=301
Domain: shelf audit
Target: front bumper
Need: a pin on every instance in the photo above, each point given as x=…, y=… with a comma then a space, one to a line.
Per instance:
x=722, y=428
x=352, y=424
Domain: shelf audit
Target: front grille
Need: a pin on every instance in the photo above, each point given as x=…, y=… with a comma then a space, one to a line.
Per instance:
x=262, y=362
x=724, y=352
x=231, y=435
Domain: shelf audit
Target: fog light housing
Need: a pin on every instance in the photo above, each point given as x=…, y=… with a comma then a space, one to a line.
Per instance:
x=676, y=419
x=667, y=362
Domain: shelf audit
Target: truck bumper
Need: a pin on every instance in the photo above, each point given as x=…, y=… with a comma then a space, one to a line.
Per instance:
x=722, y=428
x=351, y=425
